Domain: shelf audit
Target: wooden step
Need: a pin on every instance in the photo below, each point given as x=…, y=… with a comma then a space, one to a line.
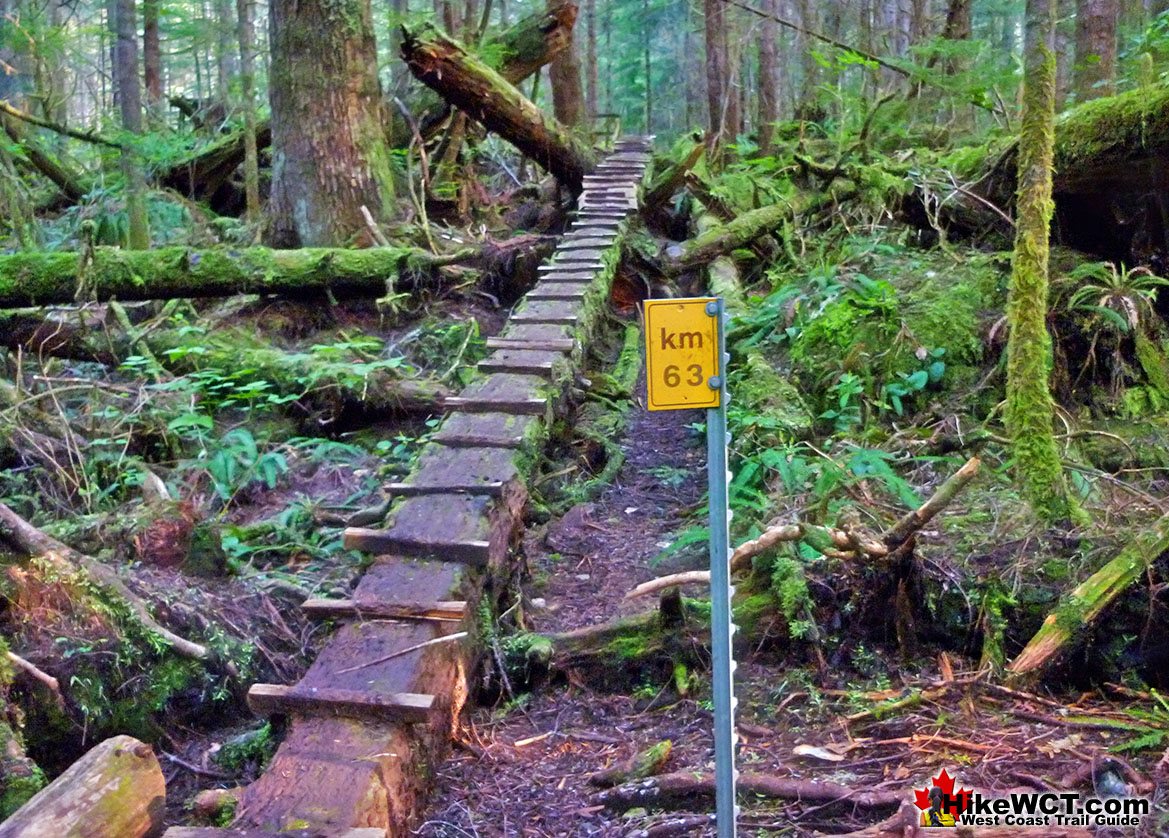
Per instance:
x=505, y=392
x=277, y=699
x=470, y=552
x=549, y=345
x=559, y=291
x=471, y=471
x=547, y=311
x=352, y=609
x=449, y=527
x=526, y=361
x=487, y=430
x=585, y=243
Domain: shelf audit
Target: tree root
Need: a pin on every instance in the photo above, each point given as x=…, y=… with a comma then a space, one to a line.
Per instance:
x=28, y=538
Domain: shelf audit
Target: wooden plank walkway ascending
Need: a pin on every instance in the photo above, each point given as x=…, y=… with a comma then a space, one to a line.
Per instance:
x=374, y=713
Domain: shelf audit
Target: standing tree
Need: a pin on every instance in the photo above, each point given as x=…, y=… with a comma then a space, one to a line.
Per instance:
x=768, y=76
x=592, y=77
x=129, y=95
x=1030, y=409
x=329, y=151
x=717, y=87
x=152, y=58
x=567, y=94
x=1095, y=68
x=247, y=78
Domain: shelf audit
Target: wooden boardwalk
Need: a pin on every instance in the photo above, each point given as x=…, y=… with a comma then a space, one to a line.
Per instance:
x=373, y=716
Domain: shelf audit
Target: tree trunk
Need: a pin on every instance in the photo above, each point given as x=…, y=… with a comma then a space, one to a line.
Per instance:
x=1030, y=411
x=129, y=95
x=592, y=77
x=247, y=65
x=768, y=77
x=567, y=95
x=329, y=151
x=41, y=278
x=152, y=58
x=115, y=791
x=480, y=92
x=1095, y=68
x=225, y=49
x=717, y=88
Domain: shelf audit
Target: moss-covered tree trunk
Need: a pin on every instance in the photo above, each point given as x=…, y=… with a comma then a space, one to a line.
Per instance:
x=37, y=278
x=329, y=150
x=1029, y=411
x=483, y=94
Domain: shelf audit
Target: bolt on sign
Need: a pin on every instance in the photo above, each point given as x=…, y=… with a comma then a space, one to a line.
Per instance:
x=682, y=354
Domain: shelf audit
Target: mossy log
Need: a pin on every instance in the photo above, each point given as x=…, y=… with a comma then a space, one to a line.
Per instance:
x=721, y=239
x=38, y=278
x=1088, y=600
x=115, y=791
x=527, y=45
x=466, y=82
x=204, y=175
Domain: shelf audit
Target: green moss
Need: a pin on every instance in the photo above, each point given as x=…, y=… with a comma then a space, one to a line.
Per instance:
x=248, y=751
x=772, y=395
x=1153, y=362
x=1029, y=411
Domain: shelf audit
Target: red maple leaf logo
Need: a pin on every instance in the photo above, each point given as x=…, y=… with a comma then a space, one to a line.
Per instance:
x=921, y=797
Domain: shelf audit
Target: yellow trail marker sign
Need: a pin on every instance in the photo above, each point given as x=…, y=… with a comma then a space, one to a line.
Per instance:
x=682, y=353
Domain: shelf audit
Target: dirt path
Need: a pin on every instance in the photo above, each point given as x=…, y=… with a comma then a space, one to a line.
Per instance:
x=585, y=562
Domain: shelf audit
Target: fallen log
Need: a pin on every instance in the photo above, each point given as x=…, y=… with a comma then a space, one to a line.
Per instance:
x=690, y=790
x=466, y=82
x=1081, y=608
x=39, y=278
x=71, y=186
x=528, y=45
x=203, y=176
x=115, y=791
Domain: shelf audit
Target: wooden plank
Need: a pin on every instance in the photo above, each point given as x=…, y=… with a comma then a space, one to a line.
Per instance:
x=451, y=611
x=490, y=430
x=278, y=699
x=528, y=361
x=593, y=230
x=559, y=291
x=547, y=311
x=476, y=471
x=446, y=528
x=471, y=552
x=536, y=331
x=585, y=243
x=522, y=407
x=508, y=392
x=550, y=345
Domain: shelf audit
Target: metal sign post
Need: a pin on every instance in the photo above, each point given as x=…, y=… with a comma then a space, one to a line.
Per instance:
x=686, y=367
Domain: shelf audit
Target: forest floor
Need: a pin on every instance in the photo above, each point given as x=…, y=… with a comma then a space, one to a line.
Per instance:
x=527, y=766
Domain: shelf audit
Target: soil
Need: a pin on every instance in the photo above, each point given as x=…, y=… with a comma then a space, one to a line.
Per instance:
x=587, y=560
